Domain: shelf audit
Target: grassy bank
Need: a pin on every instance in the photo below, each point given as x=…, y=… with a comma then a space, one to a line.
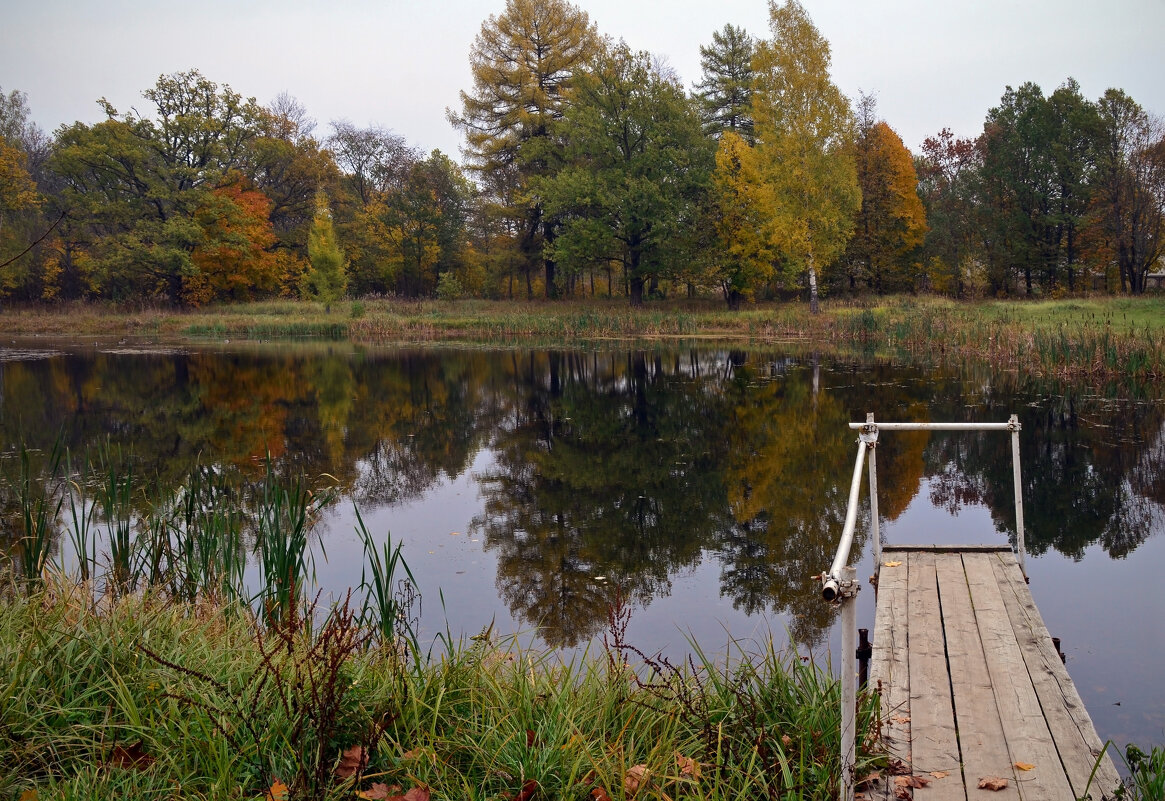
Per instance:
x=1100, y=337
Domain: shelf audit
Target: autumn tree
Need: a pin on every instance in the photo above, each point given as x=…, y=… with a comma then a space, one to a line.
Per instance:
x=947, y=171
x=289, y=166
x=636, y=161
x=26, y=268
x=327, y=279
x=725, y=87
x=1129, y=205
x=890, y=223
x=523, y=63
x=803, y=128
x=135, y=184
x=741, y=251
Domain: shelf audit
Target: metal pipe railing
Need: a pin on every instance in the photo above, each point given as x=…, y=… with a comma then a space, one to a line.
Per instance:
x=840, y=583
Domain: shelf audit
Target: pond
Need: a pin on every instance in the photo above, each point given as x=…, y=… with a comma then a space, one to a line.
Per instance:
x=705, y=485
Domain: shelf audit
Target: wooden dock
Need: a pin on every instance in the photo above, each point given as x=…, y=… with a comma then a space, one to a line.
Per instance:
x=972, y=685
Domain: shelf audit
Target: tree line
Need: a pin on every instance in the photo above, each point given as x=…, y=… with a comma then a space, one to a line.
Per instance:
x=588, y=169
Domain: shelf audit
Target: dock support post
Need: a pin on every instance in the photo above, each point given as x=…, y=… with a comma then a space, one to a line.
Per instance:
x=1020, y=546
x=875, y=529
x=849, y=695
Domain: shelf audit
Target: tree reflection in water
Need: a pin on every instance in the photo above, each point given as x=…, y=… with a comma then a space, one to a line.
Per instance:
x=608, y=468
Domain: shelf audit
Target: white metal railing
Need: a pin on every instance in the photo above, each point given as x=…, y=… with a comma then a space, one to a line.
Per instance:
x=840, y=582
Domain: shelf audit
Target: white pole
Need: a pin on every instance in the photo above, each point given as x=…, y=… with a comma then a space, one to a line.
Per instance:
x=1021, y=546
x=849, y=647
x=875, y=524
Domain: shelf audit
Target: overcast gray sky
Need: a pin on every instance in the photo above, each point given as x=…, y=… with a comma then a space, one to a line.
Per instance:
x=932, y=63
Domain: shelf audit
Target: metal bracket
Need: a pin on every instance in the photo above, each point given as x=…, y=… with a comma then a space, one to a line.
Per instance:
x=848, y=588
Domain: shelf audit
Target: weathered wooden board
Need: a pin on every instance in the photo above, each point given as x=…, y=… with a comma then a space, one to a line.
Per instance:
x=933, y=739
x=889, y=667
x=1028, y=738
x=982, y=743
x=1078, y=744
x=971, y=684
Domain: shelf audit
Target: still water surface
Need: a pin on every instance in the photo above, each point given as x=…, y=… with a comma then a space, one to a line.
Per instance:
x=708, y=485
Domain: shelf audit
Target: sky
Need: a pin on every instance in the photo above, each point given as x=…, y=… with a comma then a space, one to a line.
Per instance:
x=400, y=64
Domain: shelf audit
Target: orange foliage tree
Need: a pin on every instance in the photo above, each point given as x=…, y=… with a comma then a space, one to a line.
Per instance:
x=234, y=261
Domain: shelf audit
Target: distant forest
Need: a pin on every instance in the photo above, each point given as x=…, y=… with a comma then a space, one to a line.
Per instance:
x=588, y=169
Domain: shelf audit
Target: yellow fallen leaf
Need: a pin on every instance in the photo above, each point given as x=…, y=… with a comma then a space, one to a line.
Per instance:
x=1024, y=765
x=894, y=563
x=278, y=791
x=28, y=795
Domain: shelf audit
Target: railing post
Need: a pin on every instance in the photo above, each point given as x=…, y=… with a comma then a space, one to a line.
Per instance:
x=875, y=527
x=849, y=695
x=1020, y=546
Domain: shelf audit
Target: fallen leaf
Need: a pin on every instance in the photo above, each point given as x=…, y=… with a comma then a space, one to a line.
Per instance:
x=28, y=795
x=531, y=738
x=636, y=777
x=786, y=740
x=892, y=564
x=873, y=777
x=911, y=781
x=529, y=790
x=903, y=793
x=689, y=768
x=278, y=791
x=415, y=794
x=992, y=783
x=940, y=774
x=1024, y=765
x=130, y=757
x=379, y=791
x=351, y=761
x=415, y=753
x=599, y=794
x=897, y=767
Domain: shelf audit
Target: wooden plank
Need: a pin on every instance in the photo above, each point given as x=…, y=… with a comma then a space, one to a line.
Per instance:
x=939, y=548
x=1028, y=737
x=889, y=668
x=933, y=740
x=981, y=738
x=1076, y=740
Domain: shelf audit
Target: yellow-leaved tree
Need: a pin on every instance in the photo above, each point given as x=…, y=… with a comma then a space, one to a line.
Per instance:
x=804, y=126
x=743, y=214
x=890, y=225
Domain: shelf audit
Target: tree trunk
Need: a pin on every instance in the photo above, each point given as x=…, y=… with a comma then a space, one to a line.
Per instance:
x=636, y=291
x=813, y=306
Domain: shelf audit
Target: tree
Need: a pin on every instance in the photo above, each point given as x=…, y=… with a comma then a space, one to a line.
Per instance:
x=725, y=90
x=636, y=162
x=803, y=130
x=1017, y=191
x=1130, y=198
x=524, y=63
x=327, y=279
x=891, y=222
x=134, y=185
x=947, y=172
x=741, y=250
x=1075, y=148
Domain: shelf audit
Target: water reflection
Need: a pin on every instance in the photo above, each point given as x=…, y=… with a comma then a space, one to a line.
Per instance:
x=605, y=469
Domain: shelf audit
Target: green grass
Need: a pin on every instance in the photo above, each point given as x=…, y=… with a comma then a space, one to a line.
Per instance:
x=162, y=675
